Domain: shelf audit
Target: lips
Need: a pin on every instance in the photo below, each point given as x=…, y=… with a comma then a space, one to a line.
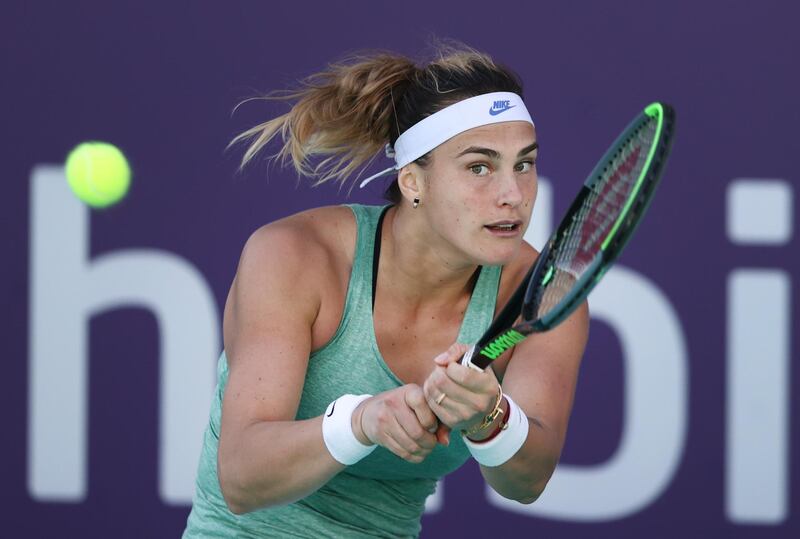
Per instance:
x=504, y=226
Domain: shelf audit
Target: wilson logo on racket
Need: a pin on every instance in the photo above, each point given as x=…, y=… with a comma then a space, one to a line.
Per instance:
x=502, y=343
x=500, y=106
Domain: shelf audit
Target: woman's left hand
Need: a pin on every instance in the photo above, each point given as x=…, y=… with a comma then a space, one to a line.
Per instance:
x=460, y=397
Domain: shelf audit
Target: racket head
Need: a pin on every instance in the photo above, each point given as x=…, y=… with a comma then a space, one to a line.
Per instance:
x=601, y=220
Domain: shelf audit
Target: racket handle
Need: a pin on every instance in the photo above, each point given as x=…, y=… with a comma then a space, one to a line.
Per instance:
x=443, y=432
x=466, y=360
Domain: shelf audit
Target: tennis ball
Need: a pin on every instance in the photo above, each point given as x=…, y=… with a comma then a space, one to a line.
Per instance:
x=98, y=173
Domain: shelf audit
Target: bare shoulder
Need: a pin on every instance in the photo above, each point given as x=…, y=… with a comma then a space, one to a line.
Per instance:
x=305, y=246
x=526, y=258
x=541, y=371
x=309, y=236
x=514, y=272
x=297, y=266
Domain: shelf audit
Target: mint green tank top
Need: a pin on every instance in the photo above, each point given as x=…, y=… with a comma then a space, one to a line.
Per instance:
x=380, y=496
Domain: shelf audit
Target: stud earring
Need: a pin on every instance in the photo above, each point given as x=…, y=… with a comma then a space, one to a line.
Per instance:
x=416, y=203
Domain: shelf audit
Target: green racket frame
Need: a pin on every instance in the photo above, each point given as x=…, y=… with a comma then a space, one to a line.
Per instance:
x=501, y=336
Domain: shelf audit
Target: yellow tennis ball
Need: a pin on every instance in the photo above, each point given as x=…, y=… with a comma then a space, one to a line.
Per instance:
x=98, y=173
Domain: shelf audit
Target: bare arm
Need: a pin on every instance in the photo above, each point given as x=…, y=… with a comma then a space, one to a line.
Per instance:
x=540, y=378
x=265, y=456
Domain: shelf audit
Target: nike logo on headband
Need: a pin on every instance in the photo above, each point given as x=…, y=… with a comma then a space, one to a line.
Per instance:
x=499, y=107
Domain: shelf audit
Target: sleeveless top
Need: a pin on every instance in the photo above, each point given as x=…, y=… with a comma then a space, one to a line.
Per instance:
x=380, y=496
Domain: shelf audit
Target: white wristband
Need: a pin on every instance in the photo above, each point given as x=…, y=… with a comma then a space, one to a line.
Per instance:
x=337, y=431
x=505, y=445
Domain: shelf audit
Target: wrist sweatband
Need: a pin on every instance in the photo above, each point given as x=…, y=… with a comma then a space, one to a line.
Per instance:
x=505, y=445
x=337, y=430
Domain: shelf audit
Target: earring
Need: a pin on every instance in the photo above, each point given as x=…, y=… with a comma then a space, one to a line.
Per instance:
x=416, y=203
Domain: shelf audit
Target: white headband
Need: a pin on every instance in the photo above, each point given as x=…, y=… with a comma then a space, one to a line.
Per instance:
x=443, y=125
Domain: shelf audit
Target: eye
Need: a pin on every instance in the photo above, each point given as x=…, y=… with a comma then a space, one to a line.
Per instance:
x=479, y=169
x=525, y=166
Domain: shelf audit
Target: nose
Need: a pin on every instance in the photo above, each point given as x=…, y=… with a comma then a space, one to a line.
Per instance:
x=509, y=192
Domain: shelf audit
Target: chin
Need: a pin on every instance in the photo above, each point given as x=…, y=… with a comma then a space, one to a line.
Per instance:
x=498, y=257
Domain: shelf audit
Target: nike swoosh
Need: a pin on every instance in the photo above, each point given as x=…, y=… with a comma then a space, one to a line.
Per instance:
x=332, y=407
x=494, y=112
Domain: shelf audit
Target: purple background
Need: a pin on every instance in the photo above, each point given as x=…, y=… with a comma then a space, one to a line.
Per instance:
x=160, y=80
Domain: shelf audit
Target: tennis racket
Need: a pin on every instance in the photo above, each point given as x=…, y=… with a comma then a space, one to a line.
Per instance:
x=589, y=239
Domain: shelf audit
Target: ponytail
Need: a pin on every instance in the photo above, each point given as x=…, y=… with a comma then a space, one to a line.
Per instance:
x=343, y=116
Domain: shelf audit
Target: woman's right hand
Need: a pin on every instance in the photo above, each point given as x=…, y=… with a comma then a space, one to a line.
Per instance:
x=399, y=420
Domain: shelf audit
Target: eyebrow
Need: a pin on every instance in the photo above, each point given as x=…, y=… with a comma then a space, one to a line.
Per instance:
x=494, y=154
x=528, y=149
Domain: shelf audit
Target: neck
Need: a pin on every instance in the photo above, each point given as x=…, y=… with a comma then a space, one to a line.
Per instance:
x=414, y=268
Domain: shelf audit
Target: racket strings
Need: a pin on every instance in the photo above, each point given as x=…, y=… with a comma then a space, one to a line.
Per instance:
x=580, y=242
x=612, y=198
x=615, y=187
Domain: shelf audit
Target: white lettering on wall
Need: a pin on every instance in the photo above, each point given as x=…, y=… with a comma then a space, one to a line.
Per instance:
x=541, y=224
x=759, y=212
x=67, y=289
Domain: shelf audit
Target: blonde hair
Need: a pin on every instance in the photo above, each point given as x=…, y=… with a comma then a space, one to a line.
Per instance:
x=342, y=117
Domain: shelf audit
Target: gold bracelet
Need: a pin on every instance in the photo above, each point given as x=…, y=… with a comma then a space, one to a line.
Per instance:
x=494, y=414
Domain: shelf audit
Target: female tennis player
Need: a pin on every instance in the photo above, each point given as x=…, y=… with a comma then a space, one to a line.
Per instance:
x=341, y=400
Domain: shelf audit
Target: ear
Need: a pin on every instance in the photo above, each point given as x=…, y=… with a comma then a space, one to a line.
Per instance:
x=411, y=181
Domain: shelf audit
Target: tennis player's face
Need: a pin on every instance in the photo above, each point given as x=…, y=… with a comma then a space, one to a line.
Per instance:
x=480, y=188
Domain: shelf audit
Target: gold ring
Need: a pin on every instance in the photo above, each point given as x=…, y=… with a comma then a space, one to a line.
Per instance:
x=440, y=398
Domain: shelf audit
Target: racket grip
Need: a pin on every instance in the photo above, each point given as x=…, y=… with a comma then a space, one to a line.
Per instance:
x=466, y=360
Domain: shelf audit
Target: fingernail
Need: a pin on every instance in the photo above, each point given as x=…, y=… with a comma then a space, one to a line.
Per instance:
x=441, y=357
